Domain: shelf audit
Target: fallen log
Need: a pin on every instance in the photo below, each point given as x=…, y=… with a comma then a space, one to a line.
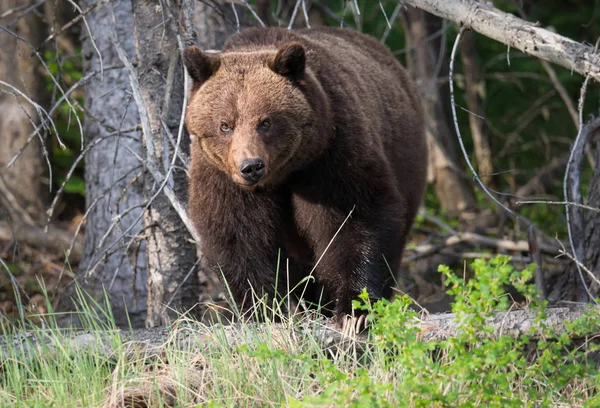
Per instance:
x=185, y=336
x=56, y=240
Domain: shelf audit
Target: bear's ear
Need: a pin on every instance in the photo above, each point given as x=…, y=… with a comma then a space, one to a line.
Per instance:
x=199, y=65
x=290, y=60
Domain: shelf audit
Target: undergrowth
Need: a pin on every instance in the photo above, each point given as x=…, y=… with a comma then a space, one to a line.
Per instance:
x=275, y=365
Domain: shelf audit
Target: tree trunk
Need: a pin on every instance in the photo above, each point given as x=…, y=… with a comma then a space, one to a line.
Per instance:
x=173, y=285
x=215, y=22
x=474, y=89
x=451, y=186
x=23, y=189
x=115, y=262
x=592, y=228
x=569, y=286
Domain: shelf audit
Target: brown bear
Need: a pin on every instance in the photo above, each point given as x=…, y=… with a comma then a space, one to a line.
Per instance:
x=293, y=131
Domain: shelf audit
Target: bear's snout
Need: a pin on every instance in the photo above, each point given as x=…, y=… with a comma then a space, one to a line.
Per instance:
x=252, y=170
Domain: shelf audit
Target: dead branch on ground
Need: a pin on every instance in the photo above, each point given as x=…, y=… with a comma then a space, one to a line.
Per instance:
x=55, y=239
x=148, y=342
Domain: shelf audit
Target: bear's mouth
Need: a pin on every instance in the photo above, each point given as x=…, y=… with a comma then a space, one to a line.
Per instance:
x=249, y=184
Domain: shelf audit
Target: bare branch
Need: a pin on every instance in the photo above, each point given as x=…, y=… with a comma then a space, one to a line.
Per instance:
x=425, y=250
x=458, y=134
x=585, y=207
x=72, y=22
x=583, y=267
x=481, y=16
x=253, y=13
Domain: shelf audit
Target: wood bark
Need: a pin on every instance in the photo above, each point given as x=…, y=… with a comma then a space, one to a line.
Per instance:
x=173, y=285
x=570, y=286
x=23, y=189
x=482, y=17
x=111, y=169
x=451, y=186
x=585, y=228
x=592, y=229
x=216, y=21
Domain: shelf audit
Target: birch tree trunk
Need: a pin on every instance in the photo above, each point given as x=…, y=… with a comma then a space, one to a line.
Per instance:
x=22, y=187
x=426, y=63
x=111, y=171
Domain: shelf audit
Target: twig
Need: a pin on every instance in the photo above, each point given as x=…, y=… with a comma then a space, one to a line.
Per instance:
x=388, y=29
x=237, y=18
x=293, y=17
x=26, y=9
x=387, y=20
x=585, y=207
x=192, y=269
x=470, y=237
x=12, y=204
x=92, y=40
x=514, y=258
x=254, y=13
x=457, y=128
x=82, y=221
x=422, y=42
x=54, y=81
x=56, y=105
x=582, y=266
x=71, y=23
x=94, y=143
x=305, y=13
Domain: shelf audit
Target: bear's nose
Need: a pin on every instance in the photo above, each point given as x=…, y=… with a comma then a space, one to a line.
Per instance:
x=252, y=169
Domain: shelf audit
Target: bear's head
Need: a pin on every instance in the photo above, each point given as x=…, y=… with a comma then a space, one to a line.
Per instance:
x=256, y=115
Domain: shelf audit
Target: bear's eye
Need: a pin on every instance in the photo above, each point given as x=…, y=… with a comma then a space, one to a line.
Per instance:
x=224, y=126
x=264, y=125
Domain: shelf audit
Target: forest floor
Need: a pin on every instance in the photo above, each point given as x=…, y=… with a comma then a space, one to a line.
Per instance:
x=35, y=269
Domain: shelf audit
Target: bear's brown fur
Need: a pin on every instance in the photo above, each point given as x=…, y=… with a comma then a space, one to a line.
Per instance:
x=295, y=130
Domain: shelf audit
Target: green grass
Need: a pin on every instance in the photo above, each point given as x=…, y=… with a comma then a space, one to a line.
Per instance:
x=279, y=364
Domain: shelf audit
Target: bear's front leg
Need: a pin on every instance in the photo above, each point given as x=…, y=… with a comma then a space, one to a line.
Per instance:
x=355, y=248
x=240, y=235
